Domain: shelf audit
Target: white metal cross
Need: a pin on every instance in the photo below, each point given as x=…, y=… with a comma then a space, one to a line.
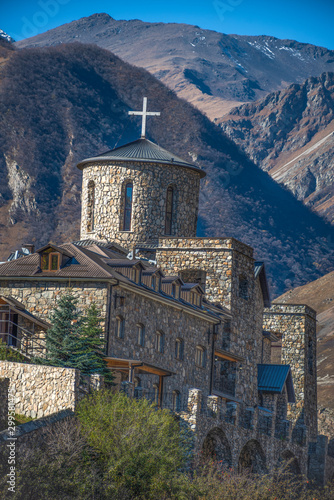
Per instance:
x=144, y=114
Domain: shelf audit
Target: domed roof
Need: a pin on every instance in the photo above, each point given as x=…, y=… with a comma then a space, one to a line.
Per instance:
x=142, y=150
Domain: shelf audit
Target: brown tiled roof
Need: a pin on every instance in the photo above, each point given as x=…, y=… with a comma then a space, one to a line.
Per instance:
x=89, y=261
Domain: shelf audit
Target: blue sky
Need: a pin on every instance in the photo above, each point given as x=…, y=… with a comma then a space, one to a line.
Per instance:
x=303, y=20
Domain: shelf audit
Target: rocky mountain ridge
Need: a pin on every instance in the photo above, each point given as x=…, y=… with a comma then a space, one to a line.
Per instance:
x=211, y=70
x=6, y=37
x=61, y=104
x=290, y=134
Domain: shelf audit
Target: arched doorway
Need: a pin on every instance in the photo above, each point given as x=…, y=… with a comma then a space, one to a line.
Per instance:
x=252, y=458
x=216, y=446
x=288, y=463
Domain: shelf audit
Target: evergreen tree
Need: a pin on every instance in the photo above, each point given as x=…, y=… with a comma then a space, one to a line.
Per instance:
x=62, y=337
x=75, y=341
x=88, y=356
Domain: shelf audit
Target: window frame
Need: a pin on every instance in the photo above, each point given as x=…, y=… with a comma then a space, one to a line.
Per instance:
x=127, y=207
x=179, y=349
x=169, y=211
x=91, y=206
x=160, y=342
x=200, y=356
x=120, y=327
x=49, y=256
x=140, y=334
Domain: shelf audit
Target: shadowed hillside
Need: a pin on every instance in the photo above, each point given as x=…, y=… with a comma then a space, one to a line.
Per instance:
x=59, y=105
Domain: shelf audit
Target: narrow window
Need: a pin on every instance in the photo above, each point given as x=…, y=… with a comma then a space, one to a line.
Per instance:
x=176, y=401
x=128, y=206
x=140, y=334
x=159, y=342
x=200, y=358
x=90, y=206
x=138, y=388
x=155, y=393
x=169, y=211
x=119, y=327
x=179, y=344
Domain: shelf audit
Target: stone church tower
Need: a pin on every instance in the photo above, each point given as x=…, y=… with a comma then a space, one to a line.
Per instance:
x=139, y=192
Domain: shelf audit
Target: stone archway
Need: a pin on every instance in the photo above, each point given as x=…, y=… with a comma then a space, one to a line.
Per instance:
x=216, y=446
x=252, y=458
x=288, y=463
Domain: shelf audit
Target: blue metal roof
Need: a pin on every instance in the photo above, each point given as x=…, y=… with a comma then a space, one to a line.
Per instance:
x=271, y=378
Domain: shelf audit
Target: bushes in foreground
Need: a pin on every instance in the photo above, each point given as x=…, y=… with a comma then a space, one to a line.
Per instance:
x=122, y=449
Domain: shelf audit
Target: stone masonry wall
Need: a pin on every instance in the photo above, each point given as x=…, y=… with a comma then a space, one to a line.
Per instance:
x=174, y=323
x=40, y=297
x=41, y=390
x=150, y=183
x=4, y=384
x=226, y=262
x=296, y=324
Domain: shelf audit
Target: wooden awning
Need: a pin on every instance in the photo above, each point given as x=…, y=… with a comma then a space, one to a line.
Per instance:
x=229, y=356
x=141, y=366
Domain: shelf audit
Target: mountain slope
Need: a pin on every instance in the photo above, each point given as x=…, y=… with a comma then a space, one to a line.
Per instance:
x=59, y=105
x=319, y=294
x=211, y=70
x=290, y=134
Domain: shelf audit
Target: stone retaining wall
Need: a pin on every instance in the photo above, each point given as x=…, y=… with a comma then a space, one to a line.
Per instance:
x=41, y=390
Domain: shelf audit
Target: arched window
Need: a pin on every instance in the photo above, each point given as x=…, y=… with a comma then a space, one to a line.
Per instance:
x=90, y=206
x=176, y=401
x=179, y=345
x=140, y=334
x=128, y=206
x=159, y=341
x=169, y=210
x=200, y=357
x=120, y=322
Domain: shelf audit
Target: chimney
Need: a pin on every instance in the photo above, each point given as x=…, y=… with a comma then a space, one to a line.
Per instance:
x=29, y=247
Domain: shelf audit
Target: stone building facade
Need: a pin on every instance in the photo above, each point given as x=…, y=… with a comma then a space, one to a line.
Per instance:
x=109, y=180
x=295, y=328
x=187, y=321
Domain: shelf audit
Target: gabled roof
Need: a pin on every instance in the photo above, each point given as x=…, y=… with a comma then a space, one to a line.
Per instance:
x=260, y=271
x=186, y=287
x=61, y=250
x=172, y=279
x=271, y=378
x=142, y=150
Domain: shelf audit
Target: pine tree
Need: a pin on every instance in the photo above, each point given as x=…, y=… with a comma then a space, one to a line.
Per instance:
x=75, y=341
x=62, y=337
x=88, y=356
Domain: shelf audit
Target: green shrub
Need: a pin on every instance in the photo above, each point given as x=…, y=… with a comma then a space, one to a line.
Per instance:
x=8, y=354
